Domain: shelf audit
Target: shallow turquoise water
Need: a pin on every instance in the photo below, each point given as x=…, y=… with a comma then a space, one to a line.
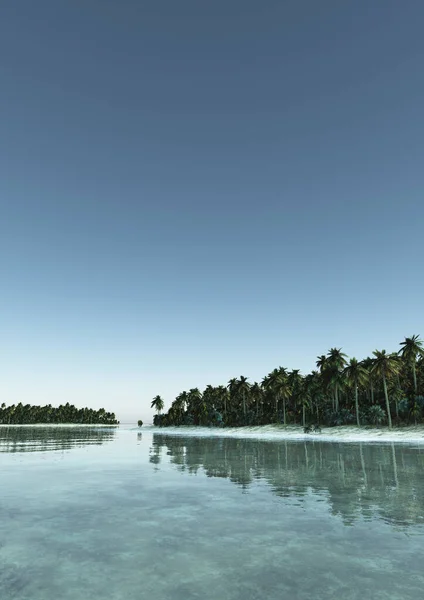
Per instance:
x=104, y=513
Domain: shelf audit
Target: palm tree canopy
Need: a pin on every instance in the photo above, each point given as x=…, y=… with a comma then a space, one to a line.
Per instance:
x=242, y=384
x=336, y=358
x=411, y=348
x=355, y=372
x=157, y=403
x=385, y=365
x=322, y=362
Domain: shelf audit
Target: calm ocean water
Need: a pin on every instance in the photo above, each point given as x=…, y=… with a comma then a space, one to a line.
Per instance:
x=118, y=514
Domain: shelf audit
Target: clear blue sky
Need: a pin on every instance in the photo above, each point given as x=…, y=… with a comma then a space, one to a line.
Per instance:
x=191, y=191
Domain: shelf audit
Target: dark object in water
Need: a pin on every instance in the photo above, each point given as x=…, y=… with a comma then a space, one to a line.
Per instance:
x=312, y=428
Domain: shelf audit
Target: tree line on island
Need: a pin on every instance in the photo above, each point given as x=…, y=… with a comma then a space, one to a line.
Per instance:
x=385, y=388
x=25, y=414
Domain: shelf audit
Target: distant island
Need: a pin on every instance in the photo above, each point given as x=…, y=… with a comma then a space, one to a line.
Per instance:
x=384, y=389
x=25, y=414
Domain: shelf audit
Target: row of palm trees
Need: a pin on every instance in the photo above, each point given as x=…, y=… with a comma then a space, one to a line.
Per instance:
x=383, y=388
x=20, y=414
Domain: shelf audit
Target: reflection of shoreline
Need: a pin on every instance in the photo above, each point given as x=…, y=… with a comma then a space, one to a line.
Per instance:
x=404, y=435
x=57, y=425
x=368, y=481
x=24, y=438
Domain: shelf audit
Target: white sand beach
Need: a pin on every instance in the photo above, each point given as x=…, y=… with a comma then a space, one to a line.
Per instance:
x=405, y=435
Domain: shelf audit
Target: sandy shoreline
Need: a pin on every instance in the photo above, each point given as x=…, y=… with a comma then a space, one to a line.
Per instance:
x=405, y=435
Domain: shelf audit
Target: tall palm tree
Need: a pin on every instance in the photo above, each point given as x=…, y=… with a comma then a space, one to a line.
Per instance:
x=355, y=374
x=182, y=400
x=243, y=388
x=368, y=364
x=232, y=387
x=209, y=396
x=222, y=395
x=294, y=382
x=337, y=362
x=276, y=383
x=385, y=366
x=412, y=347
x=306, y=395
x=267, y=386
x=283, y=390
x=312, y=390
x=196, y=405
x=178, y=407
x=324, y=367
x=158, y=404
x=257, y=394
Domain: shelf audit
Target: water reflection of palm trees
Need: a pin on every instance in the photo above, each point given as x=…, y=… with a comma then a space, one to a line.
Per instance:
x=357, y=480
x=42, y=439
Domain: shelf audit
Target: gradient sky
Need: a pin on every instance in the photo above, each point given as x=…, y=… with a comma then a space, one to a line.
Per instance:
x=192, y=190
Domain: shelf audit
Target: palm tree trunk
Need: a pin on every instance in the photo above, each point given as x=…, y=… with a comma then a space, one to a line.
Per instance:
x=414, y=374
x=389, y=416
x=372, y=392
x=303, y=415
x=284, y=410
x=357, y=405
x=337, y=396
x=276, y=408
x=244, y=404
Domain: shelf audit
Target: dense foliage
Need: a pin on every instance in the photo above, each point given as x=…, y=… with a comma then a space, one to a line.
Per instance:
x=381, y=389
x=25, y=414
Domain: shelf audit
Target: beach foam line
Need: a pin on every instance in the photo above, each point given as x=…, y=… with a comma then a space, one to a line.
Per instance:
x=350, y=434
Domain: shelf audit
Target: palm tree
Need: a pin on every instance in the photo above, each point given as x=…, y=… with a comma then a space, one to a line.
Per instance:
x=243, y=388
x=158, y=404
x=197, y=406
x=283, y=390
x=313, y=392
x=257, y=395
x=385, y=366
x=294, y=382
x=336, y=362
x=181, y=401
x=232, y=390
x=368, y=364
x=356, y=375
x=276, y=383
x=412, y=347
x=223, y=394
x=324, y=367
x=306, y=396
